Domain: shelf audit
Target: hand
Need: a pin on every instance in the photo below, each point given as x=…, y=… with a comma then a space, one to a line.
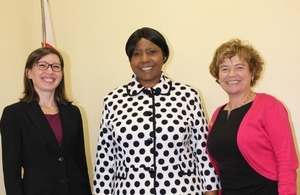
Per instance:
x=215, y=192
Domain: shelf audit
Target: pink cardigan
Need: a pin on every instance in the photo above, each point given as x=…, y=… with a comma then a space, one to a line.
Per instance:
x=266, y=142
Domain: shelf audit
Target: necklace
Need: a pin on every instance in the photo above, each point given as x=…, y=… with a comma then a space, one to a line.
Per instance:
x=246, y=101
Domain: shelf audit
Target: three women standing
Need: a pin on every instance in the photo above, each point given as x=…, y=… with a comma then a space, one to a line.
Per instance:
x=153, y=131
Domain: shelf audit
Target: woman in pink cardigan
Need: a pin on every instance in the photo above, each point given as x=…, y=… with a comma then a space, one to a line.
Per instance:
x=250, y=138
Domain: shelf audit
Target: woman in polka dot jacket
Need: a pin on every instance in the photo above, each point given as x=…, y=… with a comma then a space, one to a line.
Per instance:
x=153, y=130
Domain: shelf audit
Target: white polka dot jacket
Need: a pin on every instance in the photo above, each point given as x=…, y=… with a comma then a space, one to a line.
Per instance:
x=153, y=141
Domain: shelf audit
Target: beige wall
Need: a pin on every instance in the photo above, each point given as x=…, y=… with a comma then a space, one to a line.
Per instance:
x=91, y=35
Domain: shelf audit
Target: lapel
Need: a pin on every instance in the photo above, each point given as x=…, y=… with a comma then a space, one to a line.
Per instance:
x=38, y=118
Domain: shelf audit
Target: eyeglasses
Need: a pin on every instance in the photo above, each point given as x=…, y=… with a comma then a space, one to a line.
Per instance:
x=42, y=65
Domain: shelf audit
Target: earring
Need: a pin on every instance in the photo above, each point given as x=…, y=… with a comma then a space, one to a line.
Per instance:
x=252, y=79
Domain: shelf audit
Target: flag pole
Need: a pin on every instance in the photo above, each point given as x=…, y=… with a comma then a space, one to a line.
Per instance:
x=43, y=23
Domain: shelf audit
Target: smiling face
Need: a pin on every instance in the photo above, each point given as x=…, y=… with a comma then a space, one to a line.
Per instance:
x=45, y=81
x=146, y=62
x=234, y=75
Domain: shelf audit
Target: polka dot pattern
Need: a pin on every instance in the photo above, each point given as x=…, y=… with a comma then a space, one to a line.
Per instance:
x=152, y=141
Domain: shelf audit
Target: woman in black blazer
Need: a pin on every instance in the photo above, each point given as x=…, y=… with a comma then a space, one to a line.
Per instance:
x=42, y=135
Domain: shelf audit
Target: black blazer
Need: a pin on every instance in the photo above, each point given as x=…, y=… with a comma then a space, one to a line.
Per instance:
x=29, y=142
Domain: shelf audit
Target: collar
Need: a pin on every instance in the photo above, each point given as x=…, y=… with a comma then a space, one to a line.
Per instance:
x=163, y=87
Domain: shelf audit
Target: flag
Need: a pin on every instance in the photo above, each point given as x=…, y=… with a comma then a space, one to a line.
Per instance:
x=48, y=38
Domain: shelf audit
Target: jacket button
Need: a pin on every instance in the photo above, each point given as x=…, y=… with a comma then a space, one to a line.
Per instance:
x=148, y=141
x=151, y=171
x=61, y=159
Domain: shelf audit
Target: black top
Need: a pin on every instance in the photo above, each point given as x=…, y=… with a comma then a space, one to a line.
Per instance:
x=237, y=176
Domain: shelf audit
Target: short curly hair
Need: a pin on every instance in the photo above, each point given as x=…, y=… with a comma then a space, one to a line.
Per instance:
x=245, y=51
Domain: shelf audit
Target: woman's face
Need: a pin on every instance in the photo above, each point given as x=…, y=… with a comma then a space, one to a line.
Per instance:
x=235, y=76
x=146, y=62
x=45, y=81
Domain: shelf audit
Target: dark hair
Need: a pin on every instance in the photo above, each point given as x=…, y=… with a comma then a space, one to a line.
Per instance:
x=29, y=92
x=245, y=51
x=150, y=34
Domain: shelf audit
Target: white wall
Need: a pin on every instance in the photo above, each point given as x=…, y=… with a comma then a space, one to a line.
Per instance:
x=92, y=35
